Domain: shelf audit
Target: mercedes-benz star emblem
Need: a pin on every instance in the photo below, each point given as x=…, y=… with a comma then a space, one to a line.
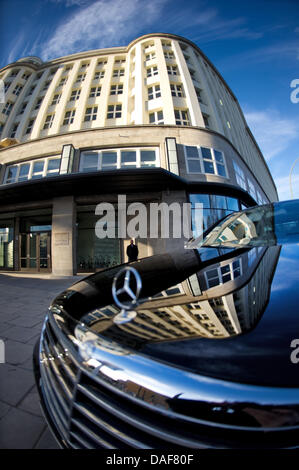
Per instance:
x=131, y=287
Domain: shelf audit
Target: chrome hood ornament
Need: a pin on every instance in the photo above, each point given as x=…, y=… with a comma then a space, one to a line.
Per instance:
x=131, y=284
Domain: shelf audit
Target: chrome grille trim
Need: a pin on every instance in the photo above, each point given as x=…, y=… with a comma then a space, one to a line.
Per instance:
x=109, y=424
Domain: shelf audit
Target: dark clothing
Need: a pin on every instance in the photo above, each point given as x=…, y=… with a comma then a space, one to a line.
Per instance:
x=132, y=253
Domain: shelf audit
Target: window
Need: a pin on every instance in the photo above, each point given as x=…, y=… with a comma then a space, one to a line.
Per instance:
x=251, y=189
x=49, y=121
x=14, y=130
x=118, y=73
x=81, y=77
x=75, y=95
x=69, y=117
x=114, y=111
x=67, y=68
x=62, y=81
x=33, y=169
x=154, y=92
x=156, y=117
x=99, y=75
x=29, y=126
x=84, y=66
x=91, y=114
x=116, y=90
x=38, y=103
x=150, y=56
x=240, y=176
x=7, y=108
x=199, y=96
x=6, y=86
x=152, y=71
x=101, y=63
x=95, y=91
x=118, y=158
x=177, y=90
x=31, y=91
x=172, y=70
x=169, y=55
x=46, y=85
x=17, y=90
x=56, y=99
x=206, y=120
x=166, y=44
x=205, y=160
x=148, y=46
x=215, y=277
x=14, y=73
x=22, y=109
x=181, y=117
x=119, y=61
x=1, y=127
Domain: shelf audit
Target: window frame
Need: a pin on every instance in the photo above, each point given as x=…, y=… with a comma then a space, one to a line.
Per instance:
x=44, y=173
x=202, y=159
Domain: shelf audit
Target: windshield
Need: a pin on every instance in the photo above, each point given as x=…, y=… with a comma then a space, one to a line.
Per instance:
x=268, y=225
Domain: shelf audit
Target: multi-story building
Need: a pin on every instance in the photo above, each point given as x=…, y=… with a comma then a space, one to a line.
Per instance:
x=154, y=120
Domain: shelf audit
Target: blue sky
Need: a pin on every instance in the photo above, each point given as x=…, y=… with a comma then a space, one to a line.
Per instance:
x=254, y=44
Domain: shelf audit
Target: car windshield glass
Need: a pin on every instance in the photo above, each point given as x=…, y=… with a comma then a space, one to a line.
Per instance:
x=268, y=225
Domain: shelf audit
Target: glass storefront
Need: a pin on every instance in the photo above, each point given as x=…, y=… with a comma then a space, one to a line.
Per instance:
x=6, y=245
x=94, y=253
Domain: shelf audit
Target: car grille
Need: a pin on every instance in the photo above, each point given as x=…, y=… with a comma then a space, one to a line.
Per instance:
x=89, y=413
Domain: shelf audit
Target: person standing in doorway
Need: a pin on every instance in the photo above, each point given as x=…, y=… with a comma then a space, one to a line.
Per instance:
x=132, y=252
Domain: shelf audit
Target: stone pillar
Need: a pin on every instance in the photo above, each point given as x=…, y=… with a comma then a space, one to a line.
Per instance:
x=63, y=236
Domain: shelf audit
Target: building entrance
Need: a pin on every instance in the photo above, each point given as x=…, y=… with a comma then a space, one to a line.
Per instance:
x=35, y=251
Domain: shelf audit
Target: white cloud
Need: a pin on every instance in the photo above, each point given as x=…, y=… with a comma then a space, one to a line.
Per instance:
x=273, y=133
x=101, y=24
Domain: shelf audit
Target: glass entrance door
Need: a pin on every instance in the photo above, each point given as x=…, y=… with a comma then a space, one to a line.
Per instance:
x=35, y=251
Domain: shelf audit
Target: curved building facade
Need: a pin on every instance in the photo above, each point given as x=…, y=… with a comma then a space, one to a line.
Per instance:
x=154, y=121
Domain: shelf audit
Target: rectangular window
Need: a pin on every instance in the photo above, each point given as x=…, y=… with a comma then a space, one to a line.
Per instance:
x=81, y=77
x=118, y=158
x=177, y=90
x=56, y=99
x=25, y=76
x=240, y=176
x=114, y=111
x=156, y=117
x=91, y=114
x=205, y=160
x=154, y=92
x=49, y=121
x=75, y=95
x=150, y=56
x=206, y=120
x=89, y=161
x=53, y=166
x=30, y=92
x=116, y=90
x=99, y=75
x=11, y=174
x=128, y=158
x=22, y=109
x=152, y=71
x=24, y=172
x=46, y=86
x=95, y=91
x=14, y=130
x=119, y=61
x=118, y=73
x=62, y=81
x=7, y=108
x=172, y=70
x=6, y=86
x=29, y=126
x=17, y=90
x=181, y=117
x=215, y=277
x=101, y=63
x=109, y=160
x=38, y=169
x=38, y=103
x=69, y=117
x=169, y=55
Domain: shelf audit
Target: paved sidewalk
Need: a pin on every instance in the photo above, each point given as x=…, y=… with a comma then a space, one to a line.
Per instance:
x=24, y=300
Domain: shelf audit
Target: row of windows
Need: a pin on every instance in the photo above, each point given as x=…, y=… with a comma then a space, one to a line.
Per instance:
x=116, y=159
x=32, y=170
x=248, y=185
x=215, y=277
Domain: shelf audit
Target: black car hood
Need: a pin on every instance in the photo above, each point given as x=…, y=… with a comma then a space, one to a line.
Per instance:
x=238, y=328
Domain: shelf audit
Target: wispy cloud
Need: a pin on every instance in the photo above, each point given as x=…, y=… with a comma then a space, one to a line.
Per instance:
x=273, y=132
x=101, y=24
x=283, y=185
